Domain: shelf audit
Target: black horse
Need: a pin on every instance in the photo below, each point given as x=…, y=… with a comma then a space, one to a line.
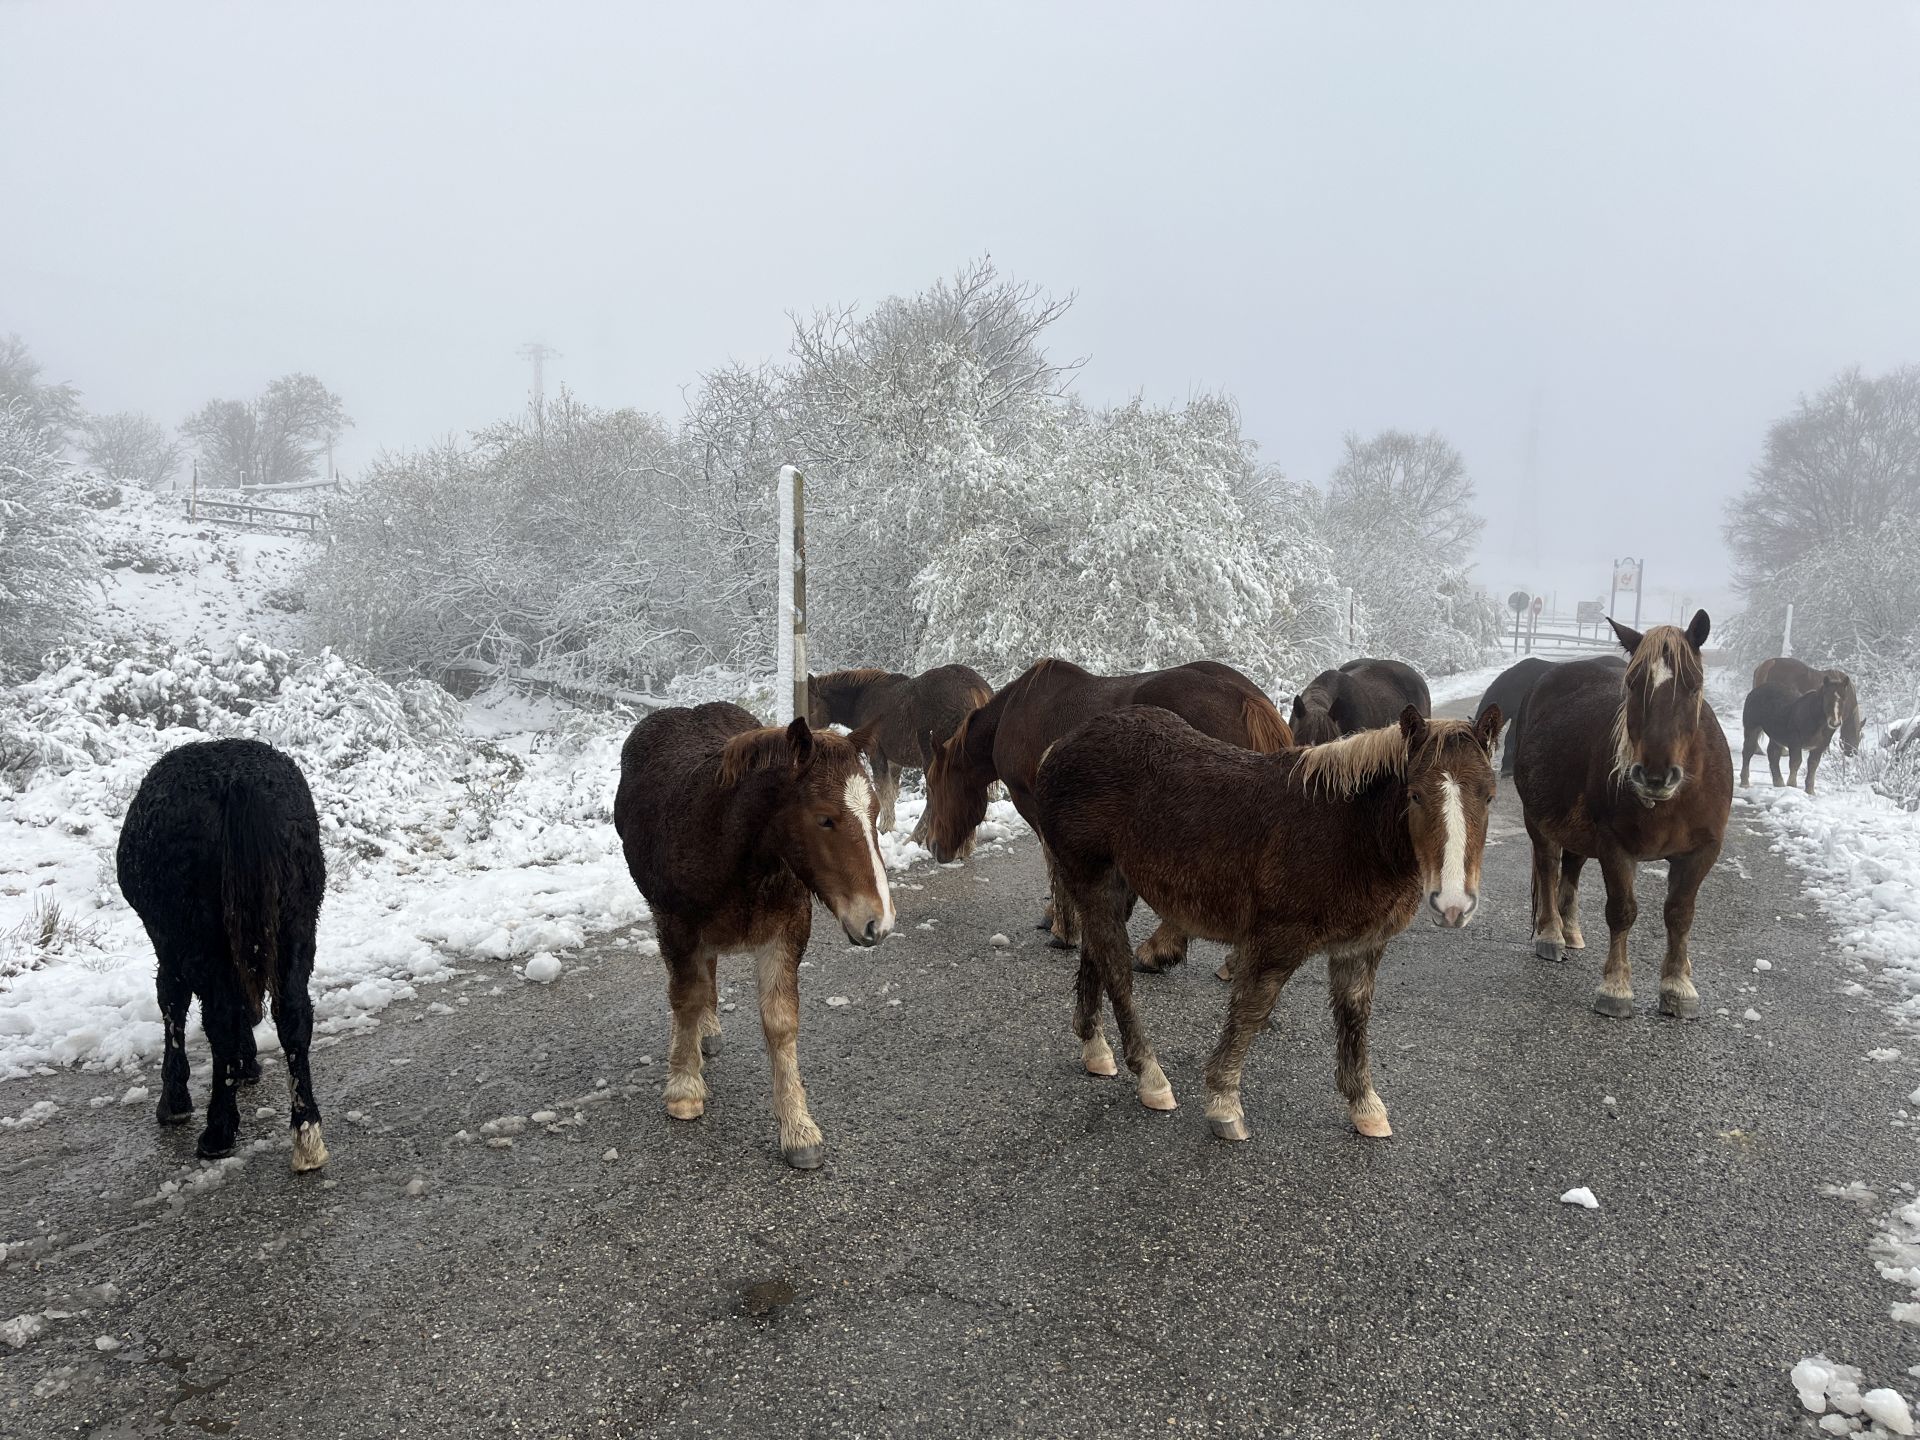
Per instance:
x=1512, y=688
x=220, y=857
x=1362, y=694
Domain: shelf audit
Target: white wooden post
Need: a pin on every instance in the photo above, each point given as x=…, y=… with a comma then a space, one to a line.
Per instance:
x=783, y=711
x=1786, y=640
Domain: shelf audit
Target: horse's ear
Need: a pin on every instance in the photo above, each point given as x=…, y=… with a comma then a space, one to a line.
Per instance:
x=800, y=743
x=1413, y=725
x=1628, y=637
x=1698, y=631
x=1487, y=729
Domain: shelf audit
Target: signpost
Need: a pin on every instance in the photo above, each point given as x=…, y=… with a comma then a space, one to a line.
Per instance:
x=1588, y=612
x=1518, y=602
x=1628, y=574
x=1533, y=624
x=790, y=589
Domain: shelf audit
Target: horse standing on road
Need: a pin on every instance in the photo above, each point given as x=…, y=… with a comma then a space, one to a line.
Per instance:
x=1622, y=767
x=1006, y=738
x=730, y=829
x=1793, y=724
x=220, y=857
x=1333, y=848
x=1512, y=688
x=1800, y=677
x=898, y=721
x=1362, y=694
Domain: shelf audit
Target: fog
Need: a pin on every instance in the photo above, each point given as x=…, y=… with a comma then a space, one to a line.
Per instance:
x=1599, y=252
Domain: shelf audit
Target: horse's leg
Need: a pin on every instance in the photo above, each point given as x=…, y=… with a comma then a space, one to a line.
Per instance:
x=922, y=831
x=1570, y=867
x=777, y=969
x=1104, y=937
x=1258, y=974
x=1793, y=766
x=293, y=1022
x=1548, y=936
x=1774, y=751
x=1684, y=874
x=1615, y=995
x=1165, y=948
x=1065, y=921
x=1096, y=1056
x=1749, y=748
x=225, y=1021
x=690, y=993
x=1350, y=975
x=711, y=1039
x=176, y=1104
x=1814, y=758
x=886, y=782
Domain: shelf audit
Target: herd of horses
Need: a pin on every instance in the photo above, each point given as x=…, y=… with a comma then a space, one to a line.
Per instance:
x=1326, y=832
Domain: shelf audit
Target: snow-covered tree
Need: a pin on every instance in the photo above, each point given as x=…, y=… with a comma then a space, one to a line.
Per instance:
x=1420, y=480
x=131, y=447
x=47, y=559
x=49, y=409
x=277, y=438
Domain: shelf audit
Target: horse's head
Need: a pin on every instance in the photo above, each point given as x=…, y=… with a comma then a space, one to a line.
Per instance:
x=1834, y=686
x=1659, y=708
x=956, y=796
x=819, y=705
x=1450, y=783
x=822, y=822
x=1312, y=722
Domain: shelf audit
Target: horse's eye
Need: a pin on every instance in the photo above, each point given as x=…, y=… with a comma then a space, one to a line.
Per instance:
x=1415, y=798
x=826, y=822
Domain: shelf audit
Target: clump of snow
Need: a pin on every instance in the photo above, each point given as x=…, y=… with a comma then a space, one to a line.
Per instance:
x=999, y=942
x=1763, y=964
x=1888, y=1408
x=543, y=969
x=32, y=1118
x=1751, y=1014
x=836, y=1001
x=1582, y=1197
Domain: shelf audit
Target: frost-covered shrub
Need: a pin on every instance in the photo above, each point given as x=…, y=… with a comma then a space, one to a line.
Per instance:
x=163, y=685
x=47, y=560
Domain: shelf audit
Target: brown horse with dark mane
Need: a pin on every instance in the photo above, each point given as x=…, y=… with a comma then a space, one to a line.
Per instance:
x=898, y=721
x=1006, y=738
x=1362, y=694
x=1622, y=767
x=1330, y=848
x=730, y=829
x=1793, y=724
x=1800, y=678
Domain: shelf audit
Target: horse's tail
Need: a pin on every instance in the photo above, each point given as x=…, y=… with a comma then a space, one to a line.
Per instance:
x=252, y=881
x=1760, y=673
x=1267, y=731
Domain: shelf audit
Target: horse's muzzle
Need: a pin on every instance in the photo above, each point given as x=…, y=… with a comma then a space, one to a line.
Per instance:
x=1453, y=915
x=864, y=928
x=1650, y=792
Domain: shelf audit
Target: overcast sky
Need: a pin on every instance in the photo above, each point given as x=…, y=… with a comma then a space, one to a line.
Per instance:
x=1643, y=231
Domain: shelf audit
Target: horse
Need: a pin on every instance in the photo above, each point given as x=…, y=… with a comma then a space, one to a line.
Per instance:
x=897, y=720
x=730, y=828
x=1622, y=767
x=1334, y=848
x=220, y=857
x=1361, y=695
x=1510, y=691
x=1006, y=738
x=1800, y=677
x=1792, y=723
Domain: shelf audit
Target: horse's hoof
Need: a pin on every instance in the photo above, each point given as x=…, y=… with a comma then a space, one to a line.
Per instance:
x=1045, y=922
x=1160, y=1099
x=212, y=1147
x=1374, y=1127
x=686, y=1109
x=1234, y=1129
x=1576, y=942
x=250, y=1072
x=711, y=1045
x=309, y=1149
x=1097, y=1057
x=1156, y=964
x=1549, y=950
x=1054, y=942
x=1614, y=1007
x=167, y=1115
x=804, y=1157
x=1225, y=972
x=1681, y=1007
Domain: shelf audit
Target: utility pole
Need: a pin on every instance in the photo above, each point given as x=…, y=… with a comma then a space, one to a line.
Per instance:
x=539, y=354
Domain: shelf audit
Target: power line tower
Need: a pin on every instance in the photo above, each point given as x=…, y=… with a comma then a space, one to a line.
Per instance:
x=539, y=354
x=1530, y=485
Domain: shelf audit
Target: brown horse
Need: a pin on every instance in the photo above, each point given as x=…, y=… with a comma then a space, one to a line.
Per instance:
x=730, y=829
x=1006, y=738
x=1800, y=677
x=1334, y=847
x=897, y=720
x=1622, y=767
x=1792, y=724
x=1512, y=688
x=1362, y=694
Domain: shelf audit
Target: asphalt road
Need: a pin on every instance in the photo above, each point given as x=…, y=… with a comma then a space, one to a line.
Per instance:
x=1000, y=1243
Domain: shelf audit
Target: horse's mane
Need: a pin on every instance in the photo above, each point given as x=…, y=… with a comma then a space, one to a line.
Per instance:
x=1344, y=766
x=1662, y=645
x=842, y=679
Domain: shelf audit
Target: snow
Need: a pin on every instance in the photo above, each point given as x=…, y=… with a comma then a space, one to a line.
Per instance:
x=1888, y=1408
x=1582, y=1197
x=1468, y=684
x=543, y=969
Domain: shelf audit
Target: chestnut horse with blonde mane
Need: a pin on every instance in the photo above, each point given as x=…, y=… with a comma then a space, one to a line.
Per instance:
x=897, y=721
x=730, y=830
x=1005, y=739
x=1333, y=848
x=1620, y=767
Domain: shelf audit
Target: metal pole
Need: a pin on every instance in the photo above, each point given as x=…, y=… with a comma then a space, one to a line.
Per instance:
x=1613, y=591
x=799, y=593
x=1639, y=589
x=1786, y=640
x=783, y=672
x=193, y=499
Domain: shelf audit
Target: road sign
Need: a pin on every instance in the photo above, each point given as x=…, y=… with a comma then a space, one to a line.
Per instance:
x=1626, y=576
x=1517, y=601
x=1589, y=612
x=1535, y=607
